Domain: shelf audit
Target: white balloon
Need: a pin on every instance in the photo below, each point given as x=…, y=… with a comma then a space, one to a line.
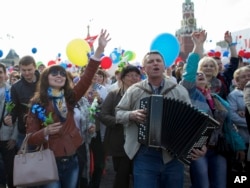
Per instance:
x=225, y=60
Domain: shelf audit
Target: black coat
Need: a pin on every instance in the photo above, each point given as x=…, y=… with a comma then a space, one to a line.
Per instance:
x=21, y=93
x=114, y=135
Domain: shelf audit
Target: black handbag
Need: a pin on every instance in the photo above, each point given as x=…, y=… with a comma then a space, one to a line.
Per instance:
x=222, y=147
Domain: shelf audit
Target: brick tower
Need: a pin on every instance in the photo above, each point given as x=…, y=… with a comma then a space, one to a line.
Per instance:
x=188, y=25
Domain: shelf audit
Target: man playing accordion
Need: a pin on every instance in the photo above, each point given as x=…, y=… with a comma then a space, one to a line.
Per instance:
x=153, y=167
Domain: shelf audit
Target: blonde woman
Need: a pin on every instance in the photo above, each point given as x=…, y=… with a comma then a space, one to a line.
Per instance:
x=210, y=68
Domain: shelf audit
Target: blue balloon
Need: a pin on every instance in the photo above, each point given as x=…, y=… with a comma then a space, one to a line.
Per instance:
x=1, y=53
x=34, y=50
x=226, y=53
x=64, y=65
x=115, y=56
x=168, y=46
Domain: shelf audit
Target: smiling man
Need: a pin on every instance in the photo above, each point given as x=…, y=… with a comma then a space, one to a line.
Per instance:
x=21, y=92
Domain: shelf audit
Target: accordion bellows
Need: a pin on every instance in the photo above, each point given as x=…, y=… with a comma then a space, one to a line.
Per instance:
x=174, y=126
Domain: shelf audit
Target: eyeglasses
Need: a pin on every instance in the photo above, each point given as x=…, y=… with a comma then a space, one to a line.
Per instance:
x=58, y=72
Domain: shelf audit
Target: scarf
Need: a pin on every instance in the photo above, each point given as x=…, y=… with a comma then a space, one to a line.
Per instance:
x=207, y=94
x=59, y=102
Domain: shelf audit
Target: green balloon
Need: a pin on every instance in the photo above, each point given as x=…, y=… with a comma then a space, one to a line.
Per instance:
x=129, y=55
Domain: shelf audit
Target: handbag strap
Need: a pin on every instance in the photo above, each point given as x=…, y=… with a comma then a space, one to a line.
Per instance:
x=24, y=146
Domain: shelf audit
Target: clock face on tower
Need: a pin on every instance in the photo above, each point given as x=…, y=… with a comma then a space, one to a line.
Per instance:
x=191, y=21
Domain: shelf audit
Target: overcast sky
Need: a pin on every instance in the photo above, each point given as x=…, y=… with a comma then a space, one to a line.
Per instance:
x=49, y=26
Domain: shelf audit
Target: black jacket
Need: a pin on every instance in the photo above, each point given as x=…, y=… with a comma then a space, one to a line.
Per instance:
x=21, y=93
x=227, y=76
x=114, y=135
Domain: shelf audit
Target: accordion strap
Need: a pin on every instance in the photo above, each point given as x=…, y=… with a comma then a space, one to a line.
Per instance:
x=163, y=93
x=169, y=89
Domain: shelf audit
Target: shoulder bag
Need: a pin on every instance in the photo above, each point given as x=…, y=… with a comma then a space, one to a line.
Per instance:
x=34, y=168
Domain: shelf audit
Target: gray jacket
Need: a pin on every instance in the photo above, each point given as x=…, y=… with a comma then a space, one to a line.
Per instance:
x=6, y=132
x=237, y=103
x=131, y=100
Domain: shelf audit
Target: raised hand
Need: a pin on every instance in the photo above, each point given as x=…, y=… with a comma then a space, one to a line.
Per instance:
x=228, y=37
x=199, y=37
x=102, y=43
x=232, y=46
x=103, y=38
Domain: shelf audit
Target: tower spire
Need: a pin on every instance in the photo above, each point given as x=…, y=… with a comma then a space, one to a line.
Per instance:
x=88, y=26
x=188, y=25
x=88, y=36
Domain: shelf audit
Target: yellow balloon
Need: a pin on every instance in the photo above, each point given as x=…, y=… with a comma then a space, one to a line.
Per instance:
x=77, y=51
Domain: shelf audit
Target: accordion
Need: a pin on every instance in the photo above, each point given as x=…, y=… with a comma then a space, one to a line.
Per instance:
x=174, y=126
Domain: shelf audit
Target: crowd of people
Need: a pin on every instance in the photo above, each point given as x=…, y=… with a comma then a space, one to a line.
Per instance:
x=92, y=118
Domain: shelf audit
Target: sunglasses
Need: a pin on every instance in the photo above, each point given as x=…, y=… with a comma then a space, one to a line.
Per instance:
x=199, y=74
x=58, y=72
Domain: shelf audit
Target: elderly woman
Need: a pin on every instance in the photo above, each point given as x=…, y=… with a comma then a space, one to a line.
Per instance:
x=210, y=68
x=214, y=69
x=238, y=106
x=237, y=103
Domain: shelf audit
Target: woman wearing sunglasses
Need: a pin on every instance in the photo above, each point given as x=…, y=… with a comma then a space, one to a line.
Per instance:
x=51, y=117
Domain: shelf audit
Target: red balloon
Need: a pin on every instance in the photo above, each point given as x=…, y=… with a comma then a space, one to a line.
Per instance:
x=247, y=55
x=51, y=62
x=241, y=53
x=217, y=54
x=210, y=54
x=106, y=62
